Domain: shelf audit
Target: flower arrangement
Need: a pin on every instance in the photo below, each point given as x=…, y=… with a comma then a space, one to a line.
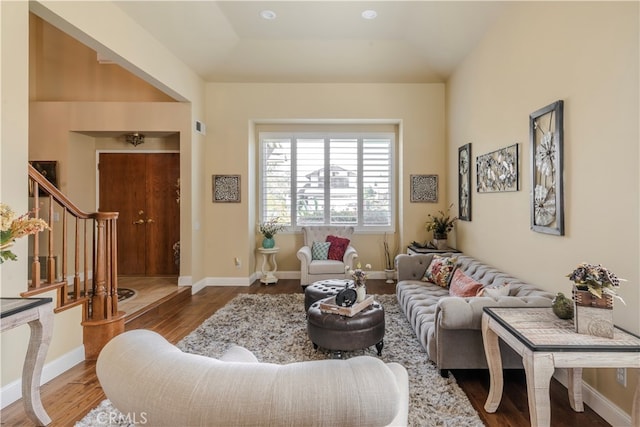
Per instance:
x=596, y=279
x=270, y=227
x=442, y=224
x=358, y=274
x=12, y=228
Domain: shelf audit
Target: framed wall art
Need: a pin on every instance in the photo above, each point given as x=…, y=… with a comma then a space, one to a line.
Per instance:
x=49, y=170
x=498, y=171
x=226, y=188
x=424, y=188
x=464, y=182
x=546, y=141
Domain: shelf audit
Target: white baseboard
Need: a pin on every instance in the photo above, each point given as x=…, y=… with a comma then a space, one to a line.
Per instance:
x=184, y=280
x=599, y=403
x=13, y=391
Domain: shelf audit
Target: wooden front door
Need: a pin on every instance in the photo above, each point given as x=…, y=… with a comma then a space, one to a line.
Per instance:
x=143, y=188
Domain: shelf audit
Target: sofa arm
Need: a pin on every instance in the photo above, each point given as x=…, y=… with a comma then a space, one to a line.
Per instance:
x=350, y=254
x=412, y=267
x=466, y=313
x=304, y=255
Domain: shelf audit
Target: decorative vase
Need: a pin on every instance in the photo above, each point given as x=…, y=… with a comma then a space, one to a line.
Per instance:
x=441, y=243
x=268, y=242
x=361, y=291
x=390, y=273
x=593, y=315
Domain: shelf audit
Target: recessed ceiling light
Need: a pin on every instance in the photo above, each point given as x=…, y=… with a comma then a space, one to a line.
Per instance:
x=268, y=14
x=369, y=14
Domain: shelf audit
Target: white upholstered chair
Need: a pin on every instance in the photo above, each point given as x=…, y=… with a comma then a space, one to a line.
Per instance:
x=313, y=270
x=145, y=375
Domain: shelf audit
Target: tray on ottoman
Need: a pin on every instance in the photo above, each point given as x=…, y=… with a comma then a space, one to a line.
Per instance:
x=328, y=305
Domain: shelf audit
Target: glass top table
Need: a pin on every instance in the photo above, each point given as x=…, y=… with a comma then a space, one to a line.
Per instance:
x=547, y=342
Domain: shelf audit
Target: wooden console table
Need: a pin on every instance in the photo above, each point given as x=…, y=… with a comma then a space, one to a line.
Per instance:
x=38, y=313
x=545, y=343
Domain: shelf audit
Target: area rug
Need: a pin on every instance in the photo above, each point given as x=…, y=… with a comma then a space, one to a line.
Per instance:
x=273, y=327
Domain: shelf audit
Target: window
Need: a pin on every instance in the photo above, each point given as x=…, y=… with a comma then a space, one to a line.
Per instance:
x=328, y=179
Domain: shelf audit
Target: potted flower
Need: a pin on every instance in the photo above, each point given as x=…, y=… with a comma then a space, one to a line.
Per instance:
x=268, y=229
x=12, y=228
x=359, y=280
x=441, y=225
x=594, y=290
x=389, y=259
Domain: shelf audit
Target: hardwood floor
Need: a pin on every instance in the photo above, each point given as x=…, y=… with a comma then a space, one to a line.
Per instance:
x=70, y=396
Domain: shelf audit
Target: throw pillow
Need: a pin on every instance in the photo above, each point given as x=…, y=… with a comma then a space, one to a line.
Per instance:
x=495, y=291
x=338, y=247
x=440, y=270
x=462, y=285
x=320, y=250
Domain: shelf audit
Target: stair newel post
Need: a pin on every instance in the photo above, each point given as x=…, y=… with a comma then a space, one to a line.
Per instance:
x=105, y=321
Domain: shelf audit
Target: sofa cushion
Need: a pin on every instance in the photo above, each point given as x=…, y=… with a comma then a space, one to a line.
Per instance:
x=462, y=285
x=495, y=291
x=320, y=250
x=439, y=271
x=338, y=247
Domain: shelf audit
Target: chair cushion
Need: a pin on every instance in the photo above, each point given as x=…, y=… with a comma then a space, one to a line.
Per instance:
x=338, y=247
x=320, y=250
x=462, y=285
x=327, y=267
x=440, y=270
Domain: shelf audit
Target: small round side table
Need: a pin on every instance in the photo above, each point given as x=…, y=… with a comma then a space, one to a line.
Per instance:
x=269, y=265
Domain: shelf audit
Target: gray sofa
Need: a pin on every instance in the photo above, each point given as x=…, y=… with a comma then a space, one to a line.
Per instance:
x=448, y=327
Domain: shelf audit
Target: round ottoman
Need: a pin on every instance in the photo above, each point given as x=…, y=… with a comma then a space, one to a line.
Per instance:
x=322, y=289
x=342, y=333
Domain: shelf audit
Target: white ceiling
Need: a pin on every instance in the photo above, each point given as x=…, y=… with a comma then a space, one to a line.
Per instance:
x=317, y=41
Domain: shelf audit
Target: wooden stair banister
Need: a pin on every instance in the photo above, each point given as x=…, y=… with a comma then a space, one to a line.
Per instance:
x=93, y=248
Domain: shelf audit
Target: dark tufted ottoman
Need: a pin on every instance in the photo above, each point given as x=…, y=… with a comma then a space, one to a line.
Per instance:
x=342, y=333
x=322, y=289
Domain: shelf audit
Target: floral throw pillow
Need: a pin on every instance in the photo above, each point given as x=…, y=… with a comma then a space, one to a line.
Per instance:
x=338, y=247
x=320, y=250
x=440, y=269
x=462, y=285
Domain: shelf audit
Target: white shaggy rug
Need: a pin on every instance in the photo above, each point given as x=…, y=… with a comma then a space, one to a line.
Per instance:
x=273, y=327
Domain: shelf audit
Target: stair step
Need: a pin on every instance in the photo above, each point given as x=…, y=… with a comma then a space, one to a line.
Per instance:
x=179, y=297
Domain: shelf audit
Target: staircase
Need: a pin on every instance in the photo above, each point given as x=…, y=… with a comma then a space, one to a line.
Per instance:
x=80, y=252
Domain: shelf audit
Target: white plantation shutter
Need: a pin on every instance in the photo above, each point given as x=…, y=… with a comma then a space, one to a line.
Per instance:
x=328, y=179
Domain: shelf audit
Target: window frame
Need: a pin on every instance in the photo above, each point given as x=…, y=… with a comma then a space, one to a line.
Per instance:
x=294, y=136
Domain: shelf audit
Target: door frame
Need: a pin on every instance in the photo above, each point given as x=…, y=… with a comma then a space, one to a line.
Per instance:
x=112, y=151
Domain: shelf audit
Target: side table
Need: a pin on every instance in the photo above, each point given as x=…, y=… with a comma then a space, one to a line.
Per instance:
x=269, y=265
x=545, y=343
x=414, y=250
x=38, y=313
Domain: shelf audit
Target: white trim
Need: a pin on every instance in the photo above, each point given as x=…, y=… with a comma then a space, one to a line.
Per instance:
x=599, y=403
x=13, y=391
x=184, y=280
x=197, y=287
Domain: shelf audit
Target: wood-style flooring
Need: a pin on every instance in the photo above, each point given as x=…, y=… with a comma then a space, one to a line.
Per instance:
x=69, y=397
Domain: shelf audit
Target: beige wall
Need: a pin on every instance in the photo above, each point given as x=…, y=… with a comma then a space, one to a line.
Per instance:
x=92, y=23
x=233, y=110
x=587, y=55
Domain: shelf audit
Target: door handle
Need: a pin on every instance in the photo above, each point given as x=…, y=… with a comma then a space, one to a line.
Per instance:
x=138, y=222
